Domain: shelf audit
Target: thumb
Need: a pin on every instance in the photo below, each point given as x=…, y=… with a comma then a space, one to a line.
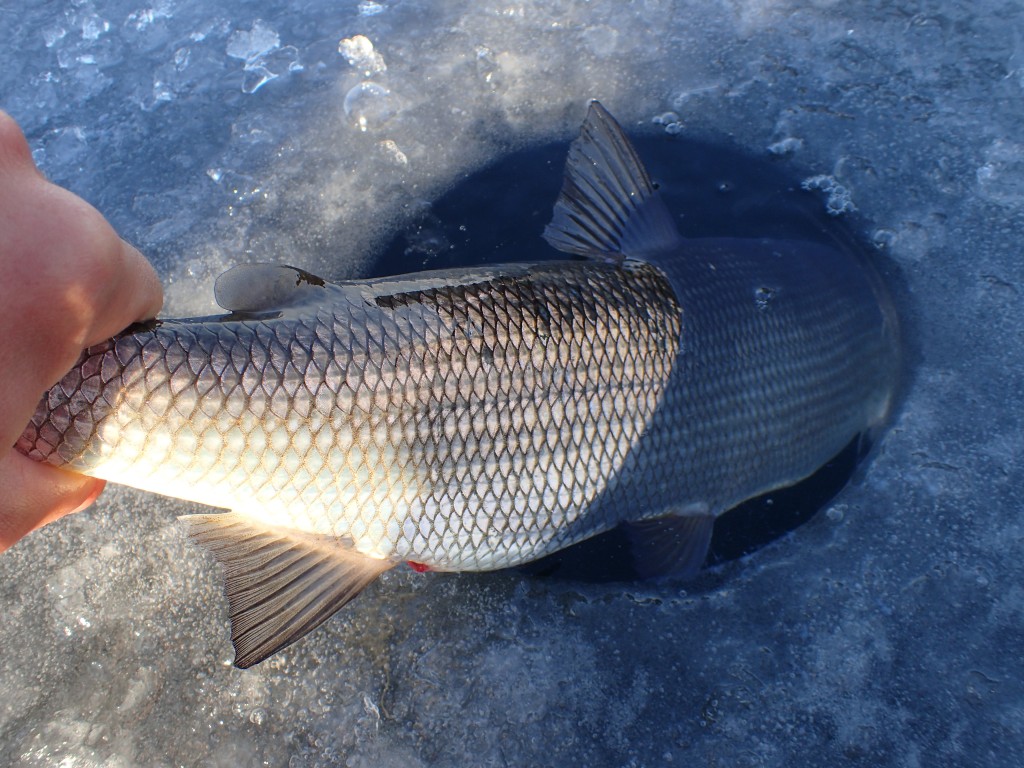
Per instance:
x=35, y=494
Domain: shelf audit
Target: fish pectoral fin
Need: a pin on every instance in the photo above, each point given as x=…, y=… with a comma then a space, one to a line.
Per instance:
x=269, y=287
x=281, y=584
x=608, y=208
x=671, y=545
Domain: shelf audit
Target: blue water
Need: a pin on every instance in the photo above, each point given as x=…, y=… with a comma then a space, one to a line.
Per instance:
x=883, y=631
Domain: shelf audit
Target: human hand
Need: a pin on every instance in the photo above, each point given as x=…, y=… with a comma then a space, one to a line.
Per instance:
x=66, y=281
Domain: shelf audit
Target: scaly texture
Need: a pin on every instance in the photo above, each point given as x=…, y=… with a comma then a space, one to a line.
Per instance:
x=480, y=425
x=461, y=426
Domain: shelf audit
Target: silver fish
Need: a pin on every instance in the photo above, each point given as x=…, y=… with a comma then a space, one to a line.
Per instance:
x=474, y=419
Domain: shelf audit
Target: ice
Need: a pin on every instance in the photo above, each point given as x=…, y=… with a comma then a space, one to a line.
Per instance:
x=249, y=46
x=838, y=199
x=670, y=122
x=884, y=632
x=264, y=56
x=53, y=35
x=370, y=8
x=786, y=146
x=142, y=18
x=368, y=105
x=359, y=53
x=93, y=26
x=601, y=39
x=393, y=152
x=1001, y=176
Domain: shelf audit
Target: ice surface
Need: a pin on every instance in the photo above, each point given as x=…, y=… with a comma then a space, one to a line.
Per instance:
x=885, y=632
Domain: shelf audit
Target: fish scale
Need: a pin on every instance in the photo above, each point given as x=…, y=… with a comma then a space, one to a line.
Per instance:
x=480, y=418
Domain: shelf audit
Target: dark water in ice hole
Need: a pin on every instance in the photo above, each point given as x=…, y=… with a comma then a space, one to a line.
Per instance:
x=497, y=215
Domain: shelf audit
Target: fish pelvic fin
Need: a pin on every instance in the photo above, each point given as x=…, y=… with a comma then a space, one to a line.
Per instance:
x=608, y=208
x=281, y=584
x=672, y=545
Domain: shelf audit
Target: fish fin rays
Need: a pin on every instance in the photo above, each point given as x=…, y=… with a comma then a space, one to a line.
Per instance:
x=671, y=545
x=280, y=584
x=608, y=208
x=270, y=287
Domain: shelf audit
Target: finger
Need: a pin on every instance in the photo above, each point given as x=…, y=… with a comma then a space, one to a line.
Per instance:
x=133, y=293
x=68, y=282
x=14, y=149
x=36, y=494
x=148, y=289
x=97, y=284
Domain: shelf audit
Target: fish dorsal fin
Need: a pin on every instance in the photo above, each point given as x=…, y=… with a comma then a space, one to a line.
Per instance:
x=671, y=545
x=281, y=584
x=608, y=207
x=267, y=287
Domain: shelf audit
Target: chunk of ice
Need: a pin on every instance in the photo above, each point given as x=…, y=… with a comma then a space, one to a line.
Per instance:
x=265, y=59
x=359, y=53
x=838, y=199
x=249, y=46
x=392, y=152
x=1001, y=177
x=93, y=26
x=143, y=17
x=670, y=122
x=53, y=35
x=370, y=8
x=786, y=146
x=256, y=77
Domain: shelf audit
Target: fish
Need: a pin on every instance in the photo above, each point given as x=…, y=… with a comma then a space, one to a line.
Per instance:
x=479, y=418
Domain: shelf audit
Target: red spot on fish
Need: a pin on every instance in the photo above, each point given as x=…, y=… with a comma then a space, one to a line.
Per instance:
x=418, y=567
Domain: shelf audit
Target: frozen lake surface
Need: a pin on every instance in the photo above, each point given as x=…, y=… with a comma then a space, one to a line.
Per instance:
x=886, y=631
